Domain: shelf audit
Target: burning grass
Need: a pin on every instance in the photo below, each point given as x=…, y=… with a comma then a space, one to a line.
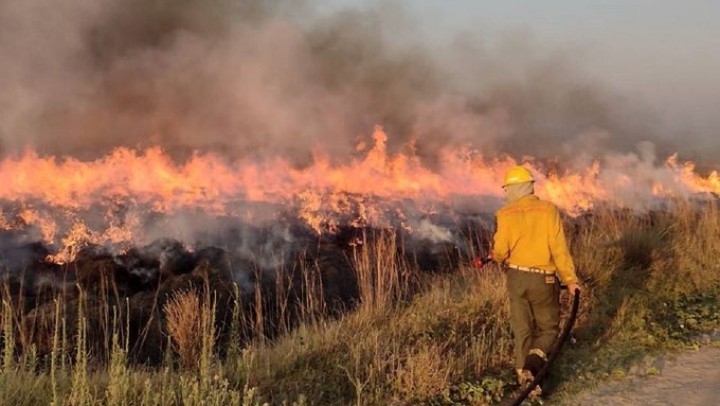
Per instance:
x=652, y=283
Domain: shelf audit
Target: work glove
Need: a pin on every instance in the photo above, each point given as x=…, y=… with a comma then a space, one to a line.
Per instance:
x=479, y=262
x=572, y=287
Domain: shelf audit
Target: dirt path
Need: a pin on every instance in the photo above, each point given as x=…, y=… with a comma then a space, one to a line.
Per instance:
x=688, y=379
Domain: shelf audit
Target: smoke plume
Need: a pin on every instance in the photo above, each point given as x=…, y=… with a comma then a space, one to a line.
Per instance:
x=257, y=78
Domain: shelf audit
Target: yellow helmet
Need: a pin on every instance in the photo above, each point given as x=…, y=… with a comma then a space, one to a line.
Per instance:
x=517, y=174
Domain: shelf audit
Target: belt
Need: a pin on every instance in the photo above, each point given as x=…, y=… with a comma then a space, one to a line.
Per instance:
x=532, y=270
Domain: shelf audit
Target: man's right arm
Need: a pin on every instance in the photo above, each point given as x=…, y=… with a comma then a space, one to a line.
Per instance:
x=501, y=243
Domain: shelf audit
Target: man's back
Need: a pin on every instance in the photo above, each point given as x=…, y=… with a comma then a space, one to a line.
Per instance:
x=530, y=234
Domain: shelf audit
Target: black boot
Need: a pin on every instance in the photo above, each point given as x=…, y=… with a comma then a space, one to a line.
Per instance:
x=534, y=363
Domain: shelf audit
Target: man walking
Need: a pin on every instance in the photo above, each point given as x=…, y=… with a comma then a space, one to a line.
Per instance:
x=530, y=242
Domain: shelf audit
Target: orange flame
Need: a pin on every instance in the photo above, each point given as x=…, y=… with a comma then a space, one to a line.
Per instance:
x=215, y=185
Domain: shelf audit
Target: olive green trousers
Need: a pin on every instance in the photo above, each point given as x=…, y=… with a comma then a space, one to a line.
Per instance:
x=534, y=312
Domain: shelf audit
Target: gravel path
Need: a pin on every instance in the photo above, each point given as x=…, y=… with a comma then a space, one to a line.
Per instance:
x=687, y=379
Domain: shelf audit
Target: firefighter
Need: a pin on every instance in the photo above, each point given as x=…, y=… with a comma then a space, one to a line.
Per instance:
x=530, y=243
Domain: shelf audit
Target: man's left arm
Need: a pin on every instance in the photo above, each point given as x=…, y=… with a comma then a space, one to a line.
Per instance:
x=560, y=252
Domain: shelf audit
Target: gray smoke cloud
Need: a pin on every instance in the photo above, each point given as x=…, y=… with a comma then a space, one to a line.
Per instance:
x=256, y=78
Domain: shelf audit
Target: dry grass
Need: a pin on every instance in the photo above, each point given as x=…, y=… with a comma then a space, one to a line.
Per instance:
x=383, y=276
x=452, y=332
x=183, y=315
x=441, y=341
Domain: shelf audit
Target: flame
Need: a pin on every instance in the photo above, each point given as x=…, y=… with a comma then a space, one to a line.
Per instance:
x=688, y=177
x=43, y=221
x=324, y=193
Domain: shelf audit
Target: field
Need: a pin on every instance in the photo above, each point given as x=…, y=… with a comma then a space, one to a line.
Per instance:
x=651, y=284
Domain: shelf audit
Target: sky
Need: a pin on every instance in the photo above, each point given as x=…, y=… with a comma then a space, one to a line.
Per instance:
x=663, y=53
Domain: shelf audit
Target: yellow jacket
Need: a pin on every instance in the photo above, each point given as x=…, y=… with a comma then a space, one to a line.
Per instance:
x=530, y=234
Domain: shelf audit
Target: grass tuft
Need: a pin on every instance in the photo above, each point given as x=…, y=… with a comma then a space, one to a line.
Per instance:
x=184, y=325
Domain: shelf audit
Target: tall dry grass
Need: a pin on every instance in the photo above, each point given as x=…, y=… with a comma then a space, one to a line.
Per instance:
x=184, y=324
x=190, y=322
x=437, y=339
x=383, y=276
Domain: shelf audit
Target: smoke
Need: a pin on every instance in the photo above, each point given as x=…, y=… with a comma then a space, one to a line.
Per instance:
x=257, y=78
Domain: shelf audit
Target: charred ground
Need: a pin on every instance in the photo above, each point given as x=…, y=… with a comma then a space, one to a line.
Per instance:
x=269, y=272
